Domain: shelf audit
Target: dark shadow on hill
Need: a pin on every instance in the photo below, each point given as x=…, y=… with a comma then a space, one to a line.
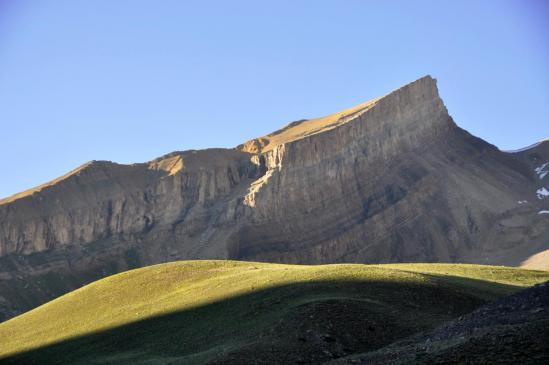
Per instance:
x=511, y=330
x=304, y=323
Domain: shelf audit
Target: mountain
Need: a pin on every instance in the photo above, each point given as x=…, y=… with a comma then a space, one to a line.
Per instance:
x=228, y=312
x=390, y=180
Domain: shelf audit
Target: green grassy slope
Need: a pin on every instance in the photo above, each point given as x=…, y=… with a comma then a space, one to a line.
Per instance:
x=198, y=312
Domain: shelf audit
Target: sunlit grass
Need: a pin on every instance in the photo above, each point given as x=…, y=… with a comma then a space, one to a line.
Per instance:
x=161, y=289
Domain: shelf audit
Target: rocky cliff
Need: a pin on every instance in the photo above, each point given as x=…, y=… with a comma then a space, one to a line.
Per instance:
x=390, y=180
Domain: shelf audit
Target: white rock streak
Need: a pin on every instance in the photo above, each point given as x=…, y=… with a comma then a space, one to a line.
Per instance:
x=542, y=170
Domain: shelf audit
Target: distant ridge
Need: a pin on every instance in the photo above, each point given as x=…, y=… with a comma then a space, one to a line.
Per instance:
x=527, y=147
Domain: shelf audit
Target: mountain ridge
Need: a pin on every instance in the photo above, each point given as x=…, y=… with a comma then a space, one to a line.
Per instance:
x=390, y=180
x=248, y=146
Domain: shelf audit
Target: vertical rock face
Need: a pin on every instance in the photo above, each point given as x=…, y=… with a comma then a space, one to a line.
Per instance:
x=392, y=179
x=106, y=200
x=398, y=182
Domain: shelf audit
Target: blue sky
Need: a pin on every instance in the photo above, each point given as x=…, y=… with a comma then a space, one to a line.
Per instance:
x=131, y=80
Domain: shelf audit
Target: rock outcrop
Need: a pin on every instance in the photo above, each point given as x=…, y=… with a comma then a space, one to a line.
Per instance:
x=390, y=180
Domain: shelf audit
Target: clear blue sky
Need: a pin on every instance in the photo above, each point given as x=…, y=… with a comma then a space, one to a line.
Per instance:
x=131, y=80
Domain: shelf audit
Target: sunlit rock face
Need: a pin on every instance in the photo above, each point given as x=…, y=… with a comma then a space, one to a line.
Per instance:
x=104, y=200
x=397, y=182
x=390, y=180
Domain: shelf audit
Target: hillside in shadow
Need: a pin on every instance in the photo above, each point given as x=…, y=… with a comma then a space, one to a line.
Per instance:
x=309, y=322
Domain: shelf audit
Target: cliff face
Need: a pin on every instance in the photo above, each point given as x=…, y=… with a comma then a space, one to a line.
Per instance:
x=398, y=182
x=106, y=200
x=392, y=179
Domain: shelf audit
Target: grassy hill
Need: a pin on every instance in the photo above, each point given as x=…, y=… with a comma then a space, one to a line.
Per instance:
x=197, y=312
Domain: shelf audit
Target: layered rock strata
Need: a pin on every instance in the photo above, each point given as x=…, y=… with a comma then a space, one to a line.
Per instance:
x=390, y=180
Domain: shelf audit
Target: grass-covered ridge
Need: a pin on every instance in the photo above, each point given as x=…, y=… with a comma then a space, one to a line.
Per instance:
x=226, y=311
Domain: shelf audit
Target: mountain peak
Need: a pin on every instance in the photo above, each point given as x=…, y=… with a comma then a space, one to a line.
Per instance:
x=422, y=88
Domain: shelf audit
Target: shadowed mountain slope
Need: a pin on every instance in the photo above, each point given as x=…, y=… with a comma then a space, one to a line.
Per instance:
x=390, y=180
x=512, y=330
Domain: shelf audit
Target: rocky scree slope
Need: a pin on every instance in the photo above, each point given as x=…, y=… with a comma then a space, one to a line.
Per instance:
x=512, y=330
x=391, y=180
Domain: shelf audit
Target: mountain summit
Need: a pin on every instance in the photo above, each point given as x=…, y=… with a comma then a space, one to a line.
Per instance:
x=390, y=180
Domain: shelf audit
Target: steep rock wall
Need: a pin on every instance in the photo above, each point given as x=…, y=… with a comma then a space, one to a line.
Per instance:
x=398, y=182
x=104, y=200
